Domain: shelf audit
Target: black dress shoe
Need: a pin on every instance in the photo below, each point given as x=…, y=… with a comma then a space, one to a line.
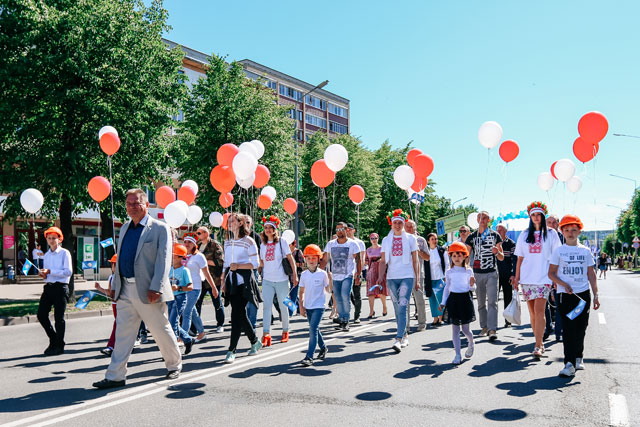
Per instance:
x=188, y=346
x=49, y=350
x=172, y=375
x=105, y=383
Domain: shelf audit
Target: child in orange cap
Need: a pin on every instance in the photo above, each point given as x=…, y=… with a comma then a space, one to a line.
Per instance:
x=107, y=292
x=571, y=269
x=457, y=300
x=56, y=272
x=314, y=284
x=181, y=284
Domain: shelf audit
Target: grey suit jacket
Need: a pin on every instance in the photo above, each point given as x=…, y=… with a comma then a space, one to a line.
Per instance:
x=152, y=262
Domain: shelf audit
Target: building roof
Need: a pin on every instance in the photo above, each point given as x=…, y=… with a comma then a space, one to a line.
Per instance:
x=203, y=59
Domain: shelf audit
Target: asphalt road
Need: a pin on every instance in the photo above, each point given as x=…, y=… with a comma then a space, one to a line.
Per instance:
x=362, y=381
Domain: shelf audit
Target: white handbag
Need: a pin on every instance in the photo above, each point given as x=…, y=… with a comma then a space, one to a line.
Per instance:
x=512, y=313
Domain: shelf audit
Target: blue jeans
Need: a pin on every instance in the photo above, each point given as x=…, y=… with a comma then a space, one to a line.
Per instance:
x=190, y=314
x=176, y=309
x=400, y=291
x=342, y=292
x=436, y=297
x=314, y=315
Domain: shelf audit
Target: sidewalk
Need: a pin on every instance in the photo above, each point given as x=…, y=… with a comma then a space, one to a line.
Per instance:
x=33, y=292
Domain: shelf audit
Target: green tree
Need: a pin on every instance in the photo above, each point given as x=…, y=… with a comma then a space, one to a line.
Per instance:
x=226, y=107
x=69, y=68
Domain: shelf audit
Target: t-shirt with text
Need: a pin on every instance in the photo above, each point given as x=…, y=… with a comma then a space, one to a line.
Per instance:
x=573, y=263
x=314, y=285
x=484, y=261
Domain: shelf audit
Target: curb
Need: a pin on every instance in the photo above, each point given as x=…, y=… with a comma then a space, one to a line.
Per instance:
x=32, y=318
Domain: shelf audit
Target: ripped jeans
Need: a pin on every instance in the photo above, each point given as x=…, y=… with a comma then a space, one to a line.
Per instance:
x=400, y=291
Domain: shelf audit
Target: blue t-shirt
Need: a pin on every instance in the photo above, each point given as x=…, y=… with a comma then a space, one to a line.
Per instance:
x=179, y=277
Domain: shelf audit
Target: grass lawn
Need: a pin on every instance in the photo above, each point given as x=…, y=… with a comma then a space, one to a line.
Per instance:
x=26, y=307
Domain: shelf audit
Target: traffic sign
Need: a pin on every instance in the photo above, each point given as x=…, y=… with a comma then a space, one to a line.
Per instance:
x=636, y=245
x=450, y=223
x=636, y=240
x=440, y=228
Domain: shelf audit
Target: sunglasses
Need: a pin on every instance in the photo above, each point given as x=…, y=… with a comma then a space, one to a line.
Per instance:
x=462, y=231
x=374, y=238
x=339, y=229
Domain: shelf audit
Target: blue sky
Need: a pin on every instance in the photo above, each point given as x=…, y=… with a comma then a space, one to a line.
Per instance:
x=433, y=72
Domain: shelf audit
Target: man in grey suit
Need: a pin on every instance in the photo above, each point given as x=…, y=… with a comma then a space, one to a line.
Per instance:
x=140, y=287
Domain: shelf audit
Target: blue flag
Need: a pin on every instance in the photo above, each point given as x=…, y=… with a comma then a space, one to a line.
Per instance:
x=106, y=242
x=26, y=267
x=290, y=305
x=373, y=288
x=84, y=301
x=89, y=265
x=576, y=311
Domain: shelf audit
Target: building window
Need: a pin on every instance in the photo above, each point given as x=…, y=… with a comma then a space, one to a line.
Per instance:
x=290, y=92
x=338, y=111
x=316, y=121
x=151, y=195
x=338, y=127
x=295, y=114
x=316, y=102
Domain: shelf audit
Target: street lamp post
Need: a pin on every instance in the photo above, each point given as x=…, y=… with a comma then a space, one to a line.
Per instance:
x=296, y=220
x=635, y=183
x=454, y=203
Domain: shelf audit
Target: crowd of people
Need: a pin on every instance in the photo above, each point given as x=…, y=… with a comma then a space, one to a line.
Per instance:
x=160, y=280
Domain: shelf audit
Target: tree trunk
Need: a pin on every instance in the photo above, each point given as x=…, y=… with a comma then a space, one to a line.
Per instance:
x=69, y=239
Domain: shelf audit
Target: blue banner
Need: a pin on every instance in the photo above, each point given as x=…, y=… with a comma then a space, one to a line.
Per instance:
x=26, y=267
x=576, y=311
x=84, y=301
x=106, y=242
x=89, y=265
x=290, y=305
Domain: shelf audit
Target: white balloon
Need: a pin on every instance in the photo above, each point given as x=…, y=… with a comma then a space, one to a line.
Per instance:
x=336, y=157
x=288, y=236
x=249, y=148
x=31, y=200
x=404, y=176
x=215, y=219
x=191, y=183
x=472, y=220
x=574, y=184
x=270, y=192
x=194, y=214
x=246, y=183
x=244, y=164
x=259, y=146
x=545, y=181
x=564, y=169
x=105, y=129
x=490, y=134
x=176, y=213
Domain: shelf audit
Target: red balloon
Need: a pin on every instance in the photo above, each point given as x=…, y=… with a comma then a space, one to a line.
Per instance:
x=553, y=173
x=290, y=205
x=99, y=188
x=164, y=196
x=226, y=153
x=225, y=217
x=109, y=143
x=187, y=194
x=321, y=175
x=419, y=184
x=509, y=150
x=225, y=200
x=593, y=127
x=222, y=178
x=262, y=176
x=264, y=202
x=422, y=165
x=356, y=194
x=411, y=155
x=584, y=150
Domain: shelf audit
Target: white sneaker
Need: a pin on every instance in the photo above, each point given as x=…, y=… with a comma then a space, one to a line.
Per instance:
x=484, y=332
x=579, y=364
x=469, y=352
x=219, y=329
x=422, y=328
x=137, y=343
x=568, y=370
x=457, y=360
x=404, y=342
x=397, y=345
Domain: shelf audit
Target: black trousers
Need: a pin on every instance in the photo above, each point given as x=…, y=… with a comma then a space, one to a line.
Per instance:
x=217, y=302
x=356, y=300
x=240, y=321
x=574, y=330
x=507, y=289
x=54, y=295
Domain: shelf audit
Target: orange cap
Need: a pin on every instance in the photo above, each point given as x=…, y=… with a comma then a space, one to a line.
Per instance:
x=458, y=247
x=312, y=250
x=114, y=259
x=569, y=220
x=179, y=250
x=54, y=230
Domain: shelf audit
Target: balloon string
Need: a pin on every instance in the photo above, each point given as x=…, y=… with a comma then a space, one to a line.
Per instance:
x=99, y=224
x=113, y=221
x=333, y=208
x=504, y=184
x=326, y=216
x=486, y=178
x=319, y=216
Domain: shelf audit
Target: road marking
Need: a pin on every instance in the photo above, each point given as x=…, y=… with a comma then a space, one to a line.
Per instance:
x=601, y=319
x=160, y=386
x=618, y=412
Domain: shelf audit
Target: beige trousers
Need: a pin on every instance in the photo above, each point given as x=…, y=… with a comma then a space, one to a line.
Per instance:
x=130, y=312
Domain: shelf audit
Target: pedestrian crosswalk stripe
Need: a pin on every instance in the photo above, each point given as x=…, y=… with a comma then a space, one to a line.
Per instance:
x=618, y=412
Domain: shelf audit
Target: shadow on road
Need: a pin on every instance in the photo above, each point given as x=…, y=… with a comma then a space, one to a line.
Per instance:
x=424, y=367
x=529, y=388
x=499, y=365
